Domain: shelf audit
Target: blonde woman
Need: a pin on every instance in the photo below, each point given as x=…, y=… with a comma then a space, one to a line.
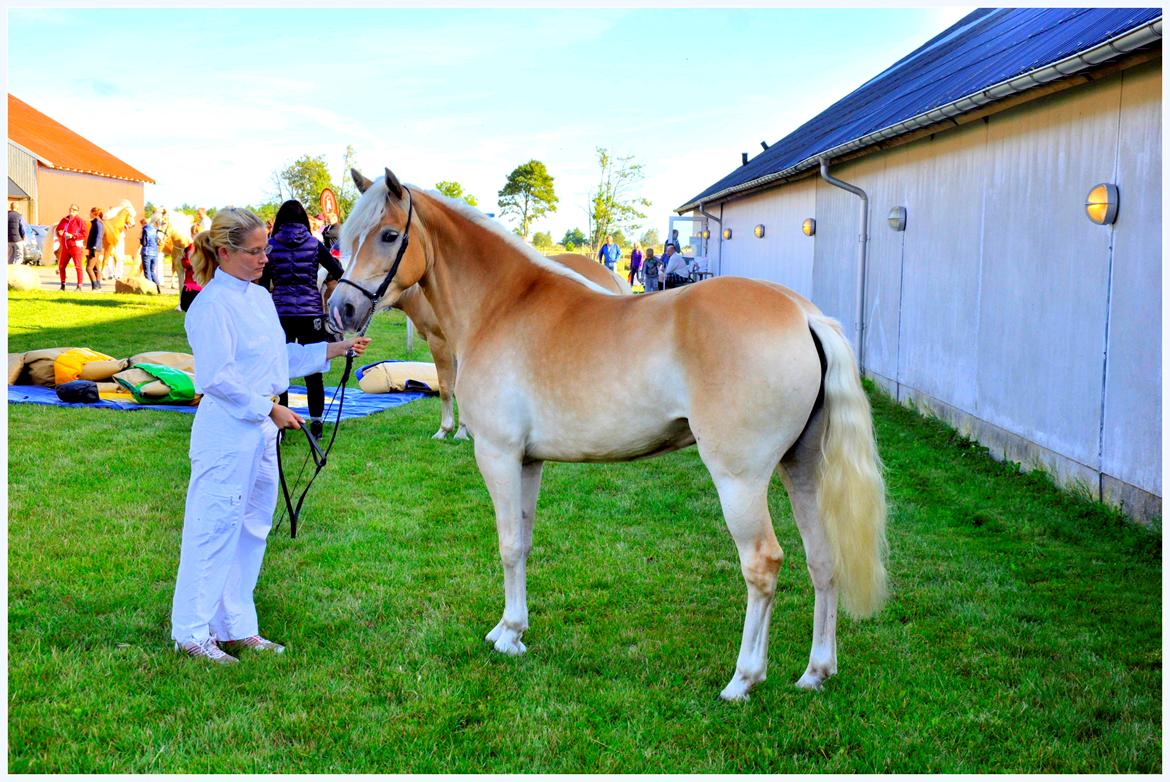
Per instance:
x=242, y=364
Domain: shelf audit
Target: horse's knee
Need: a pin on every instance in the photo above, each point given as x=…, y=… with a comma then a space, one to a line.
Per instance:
x=761, y=566
x=514, y=553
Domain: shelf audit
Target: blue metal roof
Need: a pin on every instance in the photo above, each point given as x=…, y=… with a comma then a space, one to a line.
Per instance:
x=983, y=49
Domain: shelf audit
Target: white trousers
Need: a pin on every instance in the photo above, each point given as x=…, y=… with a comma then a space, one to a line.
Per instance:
x=230, y=501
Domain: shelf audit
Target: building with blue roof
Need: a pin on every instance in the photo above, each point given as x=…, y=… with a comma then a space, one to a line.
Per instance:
x=939, y=212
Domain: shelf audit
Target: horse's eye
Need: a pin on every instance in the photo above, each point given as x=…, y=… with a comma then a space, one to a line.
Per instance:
x=389, y=235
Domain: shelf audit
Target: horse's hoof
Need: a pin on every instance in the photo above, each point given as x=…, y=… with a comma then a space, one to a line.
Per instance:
x=737, y=689
x=462, y=434
x=810, y=682
x=735, y=692
x=441, y=434
x=506, y=640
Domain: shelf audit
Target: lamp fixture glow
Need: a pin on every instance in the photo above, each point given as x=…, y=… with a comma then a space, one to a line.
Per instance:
x=706, y=234
x=808, y=227
x=1101, y=204
x=726, y=233
x=897, y=218
x=759, y=231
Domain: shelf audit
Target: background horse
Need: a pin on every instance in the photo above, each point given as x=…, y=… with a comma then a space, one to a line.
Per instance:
x=117, y=219
x=175, y=241
x=751, y=373
x=414, y=303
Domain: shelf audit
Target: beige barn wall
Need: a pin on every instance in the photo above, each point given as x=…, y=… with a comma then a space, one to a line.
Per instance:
x=1002, y=308
x=56, y=190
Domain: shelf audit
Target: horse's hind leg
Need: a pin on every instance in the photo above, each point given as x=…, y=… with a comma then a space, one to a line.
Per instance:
x=799, y=473
x=745, y=508
x=513, y=488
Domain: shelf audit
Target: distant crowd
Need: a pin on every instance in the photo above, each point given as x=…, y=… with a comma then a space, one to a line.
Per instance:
x=654, y=272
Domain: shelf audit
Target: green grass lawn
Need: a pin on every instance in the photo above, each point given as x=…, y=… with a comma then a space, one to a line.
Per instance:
x=1023, y=635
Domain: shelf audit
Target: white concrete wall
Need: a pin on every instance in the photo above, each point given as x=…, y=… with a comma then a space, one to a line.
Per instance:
x=1002, y=307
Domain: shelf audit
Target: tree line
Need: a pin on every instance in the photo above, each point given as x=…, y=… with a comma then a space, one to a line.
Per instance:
x=614, y=206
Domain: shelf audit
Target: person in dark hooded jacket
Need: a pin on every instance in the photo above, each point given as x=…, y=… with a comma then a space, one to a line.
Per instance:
x=291, y=274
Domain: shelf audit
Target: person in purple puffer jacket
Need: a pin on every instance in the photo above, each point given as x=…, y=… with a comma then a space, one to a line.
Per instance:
x=291, y=274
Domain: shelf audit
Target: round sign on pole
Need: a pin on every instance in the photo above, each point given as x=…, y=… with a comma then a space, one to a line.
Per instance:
x=329, y=207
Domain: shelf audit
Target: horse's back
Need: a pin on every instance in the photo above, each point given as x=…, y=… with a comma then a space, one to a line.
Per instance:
x=592, y=271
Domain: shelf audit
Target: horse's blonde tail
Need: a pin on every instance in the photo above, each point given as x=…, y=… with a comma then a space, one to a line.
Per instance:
x=851, y=495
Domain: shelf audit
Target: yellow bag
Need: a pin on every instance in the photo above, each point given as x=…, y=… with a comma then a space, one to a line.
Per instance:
x=68, y=366
x=389, y=377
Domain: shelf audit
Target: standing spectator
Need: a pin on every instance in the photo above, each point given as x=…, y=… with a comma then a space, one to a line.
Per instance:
x=676, y=267
x=650, y=268
x=71, y=235
x=93, y=248
x=635, y=262
x=191, y=286
x=677, y=243
x=15, y=234
x=241, y=361
x=149, y=251
x=609, y=253
x=202, y=220
x=291, y=272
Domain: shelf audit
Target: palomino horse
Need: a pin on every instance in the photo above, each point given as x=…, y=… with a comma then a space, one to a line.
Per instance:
x=751, y=373
x=174, y=241
x=117, y=220
x=415, y=305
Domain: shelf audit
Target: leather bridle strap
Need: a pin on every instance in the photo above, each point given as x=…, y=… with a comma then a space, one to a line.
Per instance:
x=404, y=242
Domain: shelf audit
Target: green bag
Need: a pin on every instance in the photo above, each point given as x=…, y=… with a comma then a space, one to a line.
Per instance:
x=181, y=384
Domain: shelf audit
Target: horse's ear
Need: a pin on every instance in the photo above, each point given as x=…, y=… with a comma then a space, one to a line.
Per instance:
x=362, y=183
x=393, y=184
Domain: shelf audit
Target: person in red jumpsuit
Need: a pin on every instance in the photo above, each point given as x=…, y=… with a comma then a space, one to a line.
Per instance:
x=71, y=233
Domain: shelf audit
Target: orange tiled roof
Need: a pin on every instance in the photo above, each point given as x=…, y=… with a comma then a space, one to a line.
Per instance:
x=61, y=147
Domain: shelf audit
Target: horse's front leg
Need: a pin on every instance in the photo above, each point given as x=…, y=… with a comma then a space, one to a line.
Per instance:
x=513, y=487
x=445, y=369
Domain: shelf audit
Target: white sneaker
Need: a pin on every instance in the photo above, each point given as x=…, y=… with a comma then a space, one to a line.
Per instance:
x=207, y=650
x=256, y=643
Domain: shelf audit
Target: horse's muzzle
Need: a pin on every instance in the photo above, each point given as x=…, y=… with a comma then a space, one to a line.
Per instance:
x=348, y=309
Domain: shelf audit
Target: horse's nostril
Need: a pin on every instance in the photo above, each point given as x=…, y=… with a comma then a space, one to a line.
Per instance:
x=347, y=312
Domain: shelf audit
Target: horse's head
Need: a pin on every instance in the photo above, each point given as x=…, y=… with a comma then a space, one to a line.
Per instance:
x=382, y=262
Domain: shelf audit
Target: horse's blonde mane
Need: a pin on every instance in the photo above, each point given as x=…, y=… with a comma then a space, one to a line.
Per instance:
x=367, y=215
x=122, y=206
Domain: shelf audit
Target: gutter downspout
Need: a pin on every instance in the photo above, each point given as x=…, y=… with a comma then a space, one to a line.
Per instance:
x=862, y=244
x=710, y=216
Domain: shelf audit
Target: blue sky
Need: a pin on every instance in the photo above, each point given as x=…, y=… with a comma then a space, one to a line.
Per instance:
x=211, y=102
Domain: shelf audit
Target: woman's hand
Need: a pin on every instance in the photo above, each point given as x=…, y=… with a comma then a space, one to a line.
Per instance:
x=285, y=418
x=336, y=349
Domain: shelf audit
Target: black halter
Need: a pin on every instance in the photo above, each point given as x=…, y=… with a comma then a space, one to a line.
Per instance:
x=404, y=241
x=321, y=457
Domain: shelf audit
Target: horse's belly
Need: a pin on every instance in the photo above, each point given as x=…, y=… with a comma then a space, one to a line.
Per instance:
x=619, y=441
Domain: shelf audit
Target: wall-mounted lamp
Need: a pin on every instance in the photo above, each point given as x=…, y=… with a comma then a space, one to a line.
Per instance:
x=897, y=218
x=759, y=231
x=706, y=234
x=1101, y=204
x=808, y=227
x=726, y=233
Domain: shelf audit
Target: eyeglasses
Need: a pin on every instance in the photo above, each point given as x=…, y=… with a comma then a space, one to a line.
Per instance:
x=255, y=252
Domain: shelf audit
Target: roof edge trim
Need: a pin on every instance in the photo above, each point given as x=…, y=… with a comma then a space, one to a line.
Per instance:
x=1121, y=44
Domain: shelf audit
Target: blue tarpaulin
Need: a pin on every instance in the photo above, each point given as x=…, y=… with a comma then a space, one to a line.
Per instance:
x=357, y=402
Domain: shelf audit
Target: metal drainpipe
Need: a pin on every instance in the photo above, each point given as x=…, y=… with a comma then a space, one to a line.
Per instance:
x=710, y=216
x=862, y=244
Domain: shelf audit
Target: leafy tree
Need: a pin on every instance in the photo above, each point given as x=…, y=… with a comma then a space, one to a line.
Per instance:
x=305, y=179
x=542, y=240
x=574, y=238
x=649, y=237
x=455, y=190
x=612, y=206
x=346, y=192
x=266, y=211
x=528, y=194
